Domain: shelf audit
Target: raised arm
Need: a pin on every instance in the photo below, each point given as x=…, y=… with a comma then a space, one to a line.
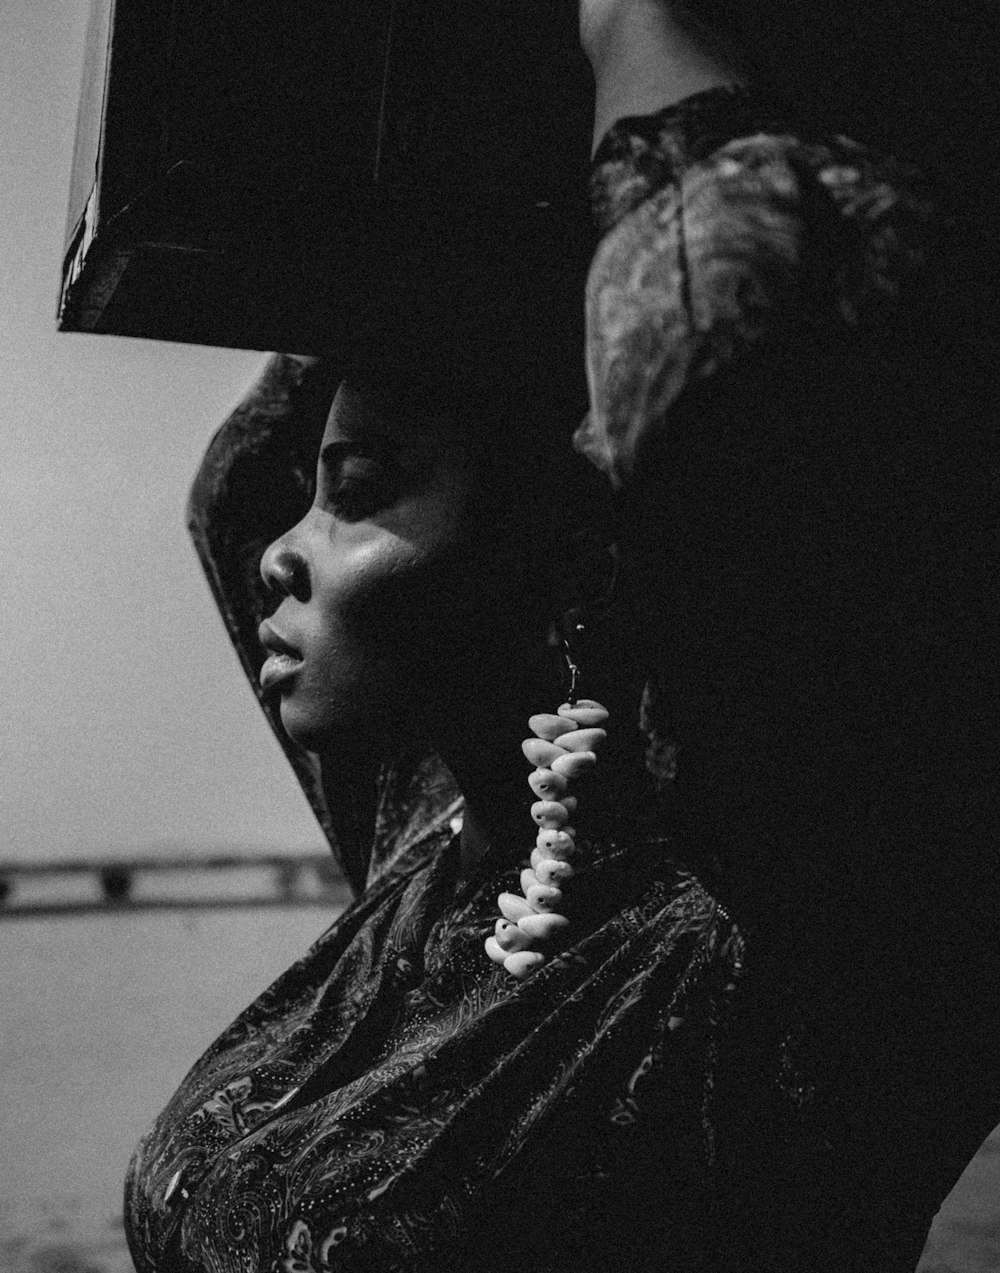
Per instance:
x=775, y=387
x=648, y=54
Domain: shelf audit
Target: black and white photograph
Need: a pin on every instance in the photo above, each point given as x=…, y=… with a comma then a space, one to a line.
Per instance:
x=498, y=513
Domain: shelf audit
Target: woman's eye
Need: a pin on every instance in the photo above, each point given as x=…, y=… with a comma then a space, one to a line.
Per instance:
x=353, y=498
x=354, y=486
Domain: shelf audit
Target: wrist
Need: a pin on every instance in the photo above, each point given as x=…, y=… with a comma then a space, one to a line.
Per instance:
x=608, y=24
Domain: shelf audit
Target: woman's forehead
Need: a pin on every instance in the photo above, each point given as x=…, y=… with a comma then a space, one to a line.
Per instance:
x=355, y=410
x=362, y=410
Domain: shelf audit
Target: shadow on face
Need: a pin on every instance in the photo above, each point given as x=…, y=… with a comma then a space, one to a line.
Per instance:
x=403, y=595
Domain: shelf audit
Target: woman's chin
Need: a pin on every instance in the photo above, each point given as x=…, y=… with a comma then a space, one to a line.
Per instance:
x=340, y=738
x=306, y=728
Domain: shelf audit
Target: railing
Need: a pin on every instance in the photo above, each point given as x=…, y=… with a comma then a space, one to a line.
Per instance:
x=169, y=881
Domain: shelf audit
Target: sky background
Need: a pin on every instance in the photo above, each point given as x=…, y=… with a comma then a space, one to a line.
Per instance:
x=127, y=721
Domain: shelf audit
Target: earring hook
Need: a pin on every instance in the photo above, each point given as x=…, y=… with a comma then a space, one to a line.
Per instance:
x=571, y=664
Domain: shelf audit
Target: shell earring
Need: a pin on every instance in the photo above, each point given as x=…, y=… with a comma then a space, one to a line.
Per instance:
x=563, y=747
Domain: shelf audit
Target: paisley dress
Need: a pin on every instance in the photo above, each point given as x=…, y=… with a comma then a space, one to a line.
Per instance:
x=657, y=1096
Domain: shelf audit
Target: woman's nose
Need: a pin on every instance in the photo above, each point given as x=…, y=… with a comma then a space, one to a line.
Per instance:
x=284, y=570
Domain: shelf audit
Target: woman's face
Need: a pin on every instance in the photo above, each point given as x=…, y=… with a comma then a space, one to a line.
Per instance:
x=390, y=587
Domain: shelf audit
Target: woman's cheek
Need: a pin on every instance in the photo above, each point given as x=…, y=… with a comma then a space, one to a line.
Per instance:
x=364, y=623
x=400, y=593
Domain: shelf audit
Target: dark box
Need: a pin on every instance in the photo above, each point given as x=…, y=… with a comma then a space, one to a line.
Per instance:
x=311, y=175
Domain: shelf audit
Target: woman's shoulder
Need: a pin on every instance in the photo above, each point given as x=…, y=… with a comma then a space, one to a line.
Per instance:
x=756, y=213
x=730, y=229
x=748, y=144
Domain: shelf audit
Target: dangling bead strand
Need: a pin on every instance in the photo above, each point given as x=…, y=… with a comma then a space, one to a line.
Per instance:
x=564, y=746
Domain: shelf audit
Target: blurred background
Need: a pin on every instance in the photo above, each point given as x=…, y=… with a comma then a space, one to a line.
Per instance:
x=129, y=731
x=130, y=734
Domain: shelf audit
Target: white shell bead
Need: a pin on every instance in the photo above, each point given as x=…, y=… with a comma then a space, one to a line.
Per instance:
x=549, y=814
x=553, y=871
x=541, y=753
x=547, y=784
x=513, y=907
x=523, y=963
x=543, y=897
x=542, y=927
x=571, y=764
x=548, y=726
x=555, y=844
x=532, y=918
x=510, y=937
x=583, y=739
x=584, y=711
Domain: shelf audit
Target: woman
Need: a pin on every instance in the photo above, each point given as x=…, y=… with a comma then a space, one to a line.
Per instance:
x=746, y=1050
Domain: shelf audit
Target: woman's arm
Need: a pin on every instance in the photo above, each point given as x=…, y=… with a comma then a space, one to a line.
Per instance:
x=647, y=54
x=773, y=385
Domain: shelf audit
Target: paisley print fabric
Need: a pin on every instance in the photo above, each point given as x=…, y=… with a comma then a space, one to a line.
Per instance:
x=730, y=231
x=393, y=1099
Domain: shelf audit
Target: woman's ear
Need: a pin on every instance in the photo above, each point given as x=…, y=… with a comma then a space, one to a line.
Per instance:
x=584, y=584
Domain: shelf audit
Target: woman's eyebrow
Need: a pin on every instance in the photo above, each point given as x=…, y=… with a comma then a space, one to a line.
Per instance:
x=368, y=443
x=413, y=449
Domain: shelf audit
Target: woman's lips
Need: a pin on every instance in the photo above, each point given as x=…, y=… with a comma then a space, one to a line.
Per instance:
x=283, y=661
x=278, y=667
